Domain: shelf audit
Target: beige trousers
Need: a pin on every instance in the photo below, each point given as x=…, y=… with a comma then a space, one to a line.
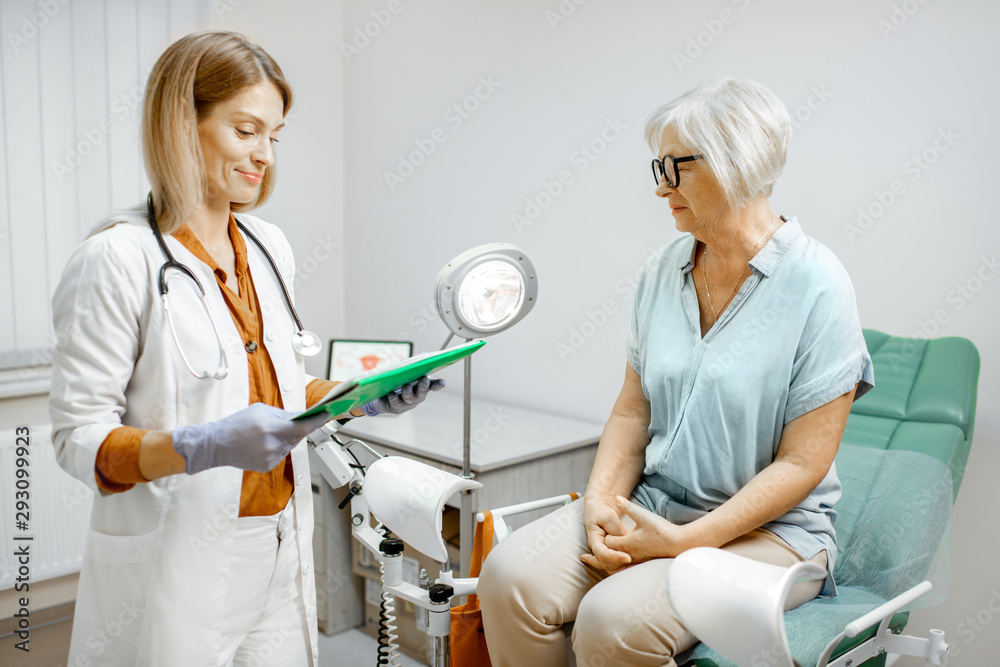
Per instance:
x=533, y=583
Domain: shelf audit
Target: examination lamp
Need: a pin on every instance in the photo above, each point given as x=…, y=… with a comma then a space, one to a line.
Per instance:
x=483, y=291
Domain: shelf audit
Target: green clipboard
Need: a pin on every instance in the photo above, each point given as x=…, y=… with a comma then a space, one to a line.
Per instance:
x=360, y=390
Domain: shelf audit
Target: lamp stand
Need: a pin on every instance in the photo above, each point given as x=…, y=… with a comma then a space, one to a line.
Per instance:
x=468, y=500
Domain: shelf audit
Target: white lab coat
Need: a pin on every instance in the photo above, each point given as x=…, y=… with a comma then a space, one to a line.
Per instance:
x=153, y=580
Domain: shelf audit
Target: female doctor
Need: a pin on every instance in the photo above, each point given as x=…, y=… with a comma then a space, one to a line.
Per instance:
x=179, y=352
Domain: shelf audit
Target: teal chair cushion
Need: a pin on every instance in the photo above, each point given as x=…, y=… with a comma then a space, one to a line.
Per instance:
x=924, y=399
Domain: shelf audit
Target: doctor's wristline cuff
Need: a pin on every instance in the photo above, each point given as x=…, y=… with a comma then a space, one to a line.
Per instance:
x=348, y=416
x=116, y=466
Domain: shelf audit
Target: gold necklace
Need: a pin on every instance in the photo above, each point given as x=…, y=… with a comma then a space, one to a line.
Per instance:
x=739, y=281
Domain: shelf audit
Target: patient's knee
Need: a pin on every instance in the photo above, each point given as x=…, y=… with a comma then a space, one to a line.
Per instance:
x=597, y=636
x=627, y=620
x=499, y=577
x=532, y=563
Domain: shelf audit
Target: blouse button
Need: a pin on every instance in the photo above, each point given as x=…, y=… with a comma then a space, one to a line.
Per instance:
x=269, y=335
x=286, y=387
x=251, y=347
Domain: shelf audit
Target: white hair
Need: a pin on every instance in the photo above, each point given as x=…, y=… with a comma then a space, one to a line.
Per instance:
x=740, y=128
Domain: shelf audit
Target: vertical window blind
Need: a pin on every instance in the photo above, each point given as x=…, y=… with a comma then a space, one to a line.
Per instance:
x=72, y=76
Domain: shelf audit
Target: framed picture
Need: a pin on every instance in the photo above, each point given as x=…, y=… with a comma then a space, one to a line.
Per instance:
x=350, y=358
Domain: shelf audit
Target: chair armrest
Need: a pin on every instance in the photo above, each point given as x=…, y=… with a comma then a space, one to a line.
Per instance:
x=502, y=530
x=933, y=648
x=886, y=610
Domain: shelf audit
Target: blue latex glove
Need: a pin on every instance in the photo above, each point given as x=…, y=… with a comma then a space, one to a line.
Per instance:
x=255, y=438
x=403, y=399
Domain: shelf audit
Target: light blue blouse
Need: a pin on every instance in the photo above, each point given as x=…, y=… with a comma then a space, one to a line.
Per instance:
x=789, y=342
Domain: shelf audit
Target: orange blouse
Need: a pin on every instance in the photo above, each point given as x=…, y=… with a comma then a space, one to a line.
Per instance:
x=263, y=493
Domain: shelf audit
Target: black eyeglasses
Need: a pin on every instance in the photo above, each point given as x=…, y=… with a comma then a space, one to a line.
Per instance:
x=667, y=168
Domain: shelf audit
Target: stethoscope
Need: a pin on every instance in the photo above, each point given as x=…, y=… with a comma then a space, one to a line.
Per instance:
x=304, y=342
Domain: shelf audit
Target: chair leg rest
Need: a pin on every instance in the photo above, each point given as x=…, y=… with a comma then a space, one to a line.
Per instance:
x=933, y=649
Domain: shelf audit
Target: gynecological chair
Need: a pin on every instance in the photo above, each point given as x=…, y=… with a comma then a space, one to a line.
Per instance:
x=901, y=462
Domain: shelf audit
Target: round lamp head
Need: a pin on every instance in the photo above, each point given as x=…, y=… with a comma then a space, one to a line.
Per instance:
x=485, y=290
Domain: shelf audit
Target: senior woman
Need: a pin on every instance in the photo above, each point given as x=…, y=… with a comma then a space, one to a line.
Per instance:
x=744, y=356
x=200, y=547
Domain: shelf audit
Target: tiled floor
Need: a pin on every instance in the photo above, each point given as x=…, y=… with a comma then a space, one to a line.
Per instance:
x=354, y=648
x=49, y=645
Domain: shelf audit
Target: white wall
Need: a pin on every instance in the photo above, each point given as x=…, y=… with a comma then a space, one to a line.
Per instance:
x=309, y=198
x=877, y=100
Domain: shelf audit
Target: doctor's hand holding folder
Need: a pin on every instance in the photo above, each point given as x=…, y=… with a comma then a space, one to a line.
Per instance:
x=260, y=436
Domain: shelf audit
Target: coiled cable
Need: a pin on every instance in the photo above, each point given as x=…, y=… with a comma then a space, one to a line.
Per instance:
x=388, y=648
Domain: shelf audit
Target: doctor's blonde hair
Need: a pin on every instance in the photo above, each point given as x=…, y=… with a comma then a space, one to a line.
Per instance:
x=193, y=75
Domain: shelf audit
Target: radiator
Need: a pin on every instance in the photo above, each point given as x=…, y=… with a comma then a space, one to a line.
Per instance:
x=59, y=512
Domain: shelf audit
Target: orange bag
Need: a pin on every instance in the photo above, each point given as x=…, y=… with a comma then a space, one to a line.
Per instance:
x=468, y=641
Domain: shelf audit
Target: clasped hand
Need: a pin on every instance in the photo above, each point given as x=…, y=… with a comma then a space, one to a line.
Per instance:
x=622, y=533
